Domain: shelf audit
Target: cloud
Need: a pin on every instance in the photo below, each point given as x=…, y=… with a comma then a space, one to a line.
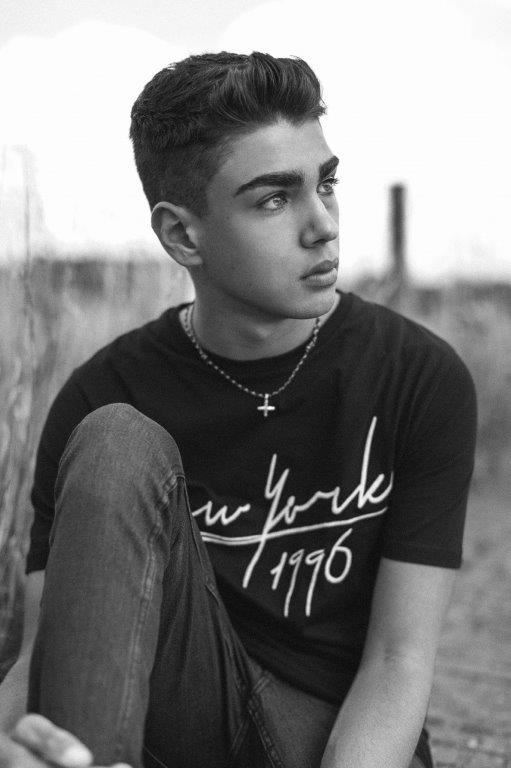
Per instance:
x=68, y=99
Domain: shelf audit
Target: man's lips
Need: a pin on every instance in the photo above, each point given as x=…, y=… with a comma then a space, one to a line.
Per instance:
x=324, y=266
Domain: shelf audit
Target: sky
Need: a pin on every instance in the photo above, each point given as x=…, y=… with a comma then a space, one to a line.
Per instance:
x=417, y=93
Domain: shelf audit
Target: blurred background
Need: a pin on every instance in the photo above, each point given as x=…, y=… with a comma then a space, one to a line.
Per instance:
x=419, y=114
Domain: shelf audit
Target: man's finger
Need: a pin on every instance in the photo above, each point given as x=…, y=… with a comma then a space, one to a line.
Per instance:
x=13, y=755
x=52, y=743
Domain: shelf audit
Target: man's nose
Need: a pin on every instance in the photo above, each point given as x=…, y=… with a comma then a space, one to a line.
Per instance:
x=321, y=223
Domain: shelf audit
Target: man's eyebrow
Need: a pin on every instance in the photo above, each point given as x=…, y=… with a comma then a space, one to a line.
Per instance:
x=287, y=178
x=329, y=166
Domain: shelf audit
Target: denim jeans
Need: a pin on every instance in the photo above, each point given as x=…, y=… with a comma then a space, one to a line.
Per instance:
x=135, y=652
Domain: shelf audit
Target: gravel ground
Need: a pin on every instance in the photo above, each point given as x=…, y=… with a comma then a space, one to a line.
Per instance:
x=470, y=711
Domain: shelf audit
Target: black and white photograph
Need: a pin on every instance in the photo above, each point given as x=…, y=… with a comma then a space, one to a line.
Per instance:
x=255, y=384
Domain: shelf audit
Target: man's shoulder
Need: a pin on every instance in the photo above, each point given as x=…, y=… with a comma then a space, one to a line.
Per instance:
x=404, y=348
x=137, y=340
x=396, y=334
x=131, y=352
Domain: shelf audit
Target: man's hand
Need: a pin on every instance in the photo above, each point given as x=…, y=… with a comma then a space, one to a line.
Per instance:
x=36, y=742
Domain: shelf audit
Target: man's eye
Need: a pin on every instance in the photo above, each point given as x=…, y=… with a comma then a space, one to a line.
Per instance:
x=329, y=184
x=275, y=202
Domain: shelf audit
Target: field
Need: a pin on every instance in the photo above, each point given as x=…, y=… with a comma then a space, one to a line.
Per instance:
x=470, y=710
x=53, y=314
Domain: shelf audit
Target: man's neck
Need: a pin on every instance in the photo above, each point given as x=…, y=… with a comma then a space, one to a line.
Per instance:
x=240, y=336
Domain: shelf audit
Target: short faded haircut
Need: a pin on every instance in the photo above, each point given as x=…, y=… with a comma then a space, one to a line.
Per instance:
x=185, y=116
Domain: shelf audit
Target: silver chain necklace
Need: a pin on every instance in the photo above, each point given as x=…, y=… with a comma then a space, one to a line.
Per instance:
x=266, y=407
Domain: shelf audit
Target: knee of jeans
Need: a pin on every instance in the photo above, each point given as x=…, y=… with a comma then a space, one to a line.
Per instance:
x=124, y=435
x=119, y=465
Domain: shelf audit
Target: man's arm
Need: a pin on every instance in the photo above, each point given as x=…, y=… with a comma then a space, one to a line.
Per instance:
x=380, y=721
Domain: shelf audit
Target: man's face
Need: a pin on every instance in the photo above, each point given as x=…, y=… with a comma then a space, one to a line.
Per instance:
x=270, y=245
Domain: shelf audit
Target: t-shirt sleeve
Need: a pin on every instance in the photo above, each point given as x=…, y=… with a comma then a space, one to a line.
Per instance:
x=68, y=409
x=432, y=477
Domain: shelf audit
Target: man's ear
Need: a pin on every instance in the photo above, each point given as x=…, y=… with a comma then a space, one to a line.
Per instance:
x=175, y=229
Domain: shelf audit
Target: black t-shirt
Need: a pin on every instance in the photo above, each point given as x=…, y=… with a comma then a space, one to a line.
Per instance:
x=369, y=454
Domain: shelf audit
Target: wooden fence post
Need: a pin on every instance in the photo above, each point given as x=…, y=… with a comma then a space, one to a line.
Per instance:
x=398, y=272
x=398, y=228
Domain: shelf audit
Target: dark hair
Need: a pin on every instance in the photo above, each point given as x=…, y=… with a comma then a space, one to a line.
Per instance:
x=182, y=121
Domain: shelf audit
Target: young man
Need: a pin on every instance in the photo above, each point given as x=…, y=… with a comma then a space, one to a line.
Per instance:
x=283, y=607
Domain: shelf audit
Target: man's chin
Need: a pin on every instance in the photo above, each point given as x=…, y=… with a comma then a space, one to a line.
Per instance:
x=320, y=304
x=324, y=300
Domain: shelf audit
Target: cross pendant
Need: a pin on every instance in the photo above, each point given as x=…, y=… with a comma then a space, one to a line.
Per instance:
x=266, y=407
